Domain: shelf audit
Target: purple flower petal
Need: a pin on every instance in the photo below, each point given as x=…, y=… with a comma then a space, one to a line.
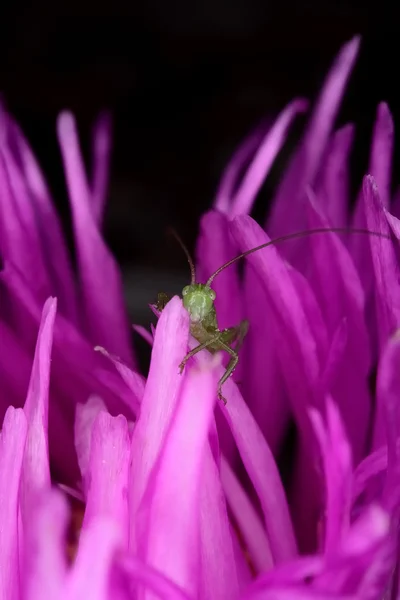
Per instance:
x=336, y=457
x=159, y=401
x=133, y=380
x=90, y=576
x=288, y=210
x=256, y=173
x=101, y=151
x=152, y=579
x=45, y=568
x=104, y=313
x=340, y=295
x=169, y=515
x=107, y=476
x=247, y=519
x=46, y=220
x=36, y=468
x=12, y=445
x=85, y=416
x=219, y=575
x=380, y=166
x=334, y=186
x=385, y=264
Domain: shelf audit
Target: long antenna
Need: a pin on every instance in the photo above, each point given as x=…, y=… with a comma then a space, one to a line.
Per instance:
x=292, y=236
x=186, y=251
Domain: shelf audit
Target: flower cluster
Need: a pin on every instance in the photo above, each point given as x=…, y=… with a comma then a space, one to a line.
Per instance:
x=183, y=496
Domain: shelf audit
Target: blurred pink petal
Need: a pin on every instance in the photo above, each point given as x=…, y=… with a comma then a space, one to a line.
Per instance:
x=101, y=151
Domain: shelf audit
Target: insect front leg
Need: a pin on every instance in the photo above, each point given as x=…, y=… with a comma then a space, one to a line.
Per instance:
x=162, y=301
x=229, y=369
x=209, y=342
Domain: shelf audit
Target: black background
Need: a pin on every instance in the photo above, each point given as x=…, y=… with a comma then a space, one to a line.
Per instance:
x=185, y=82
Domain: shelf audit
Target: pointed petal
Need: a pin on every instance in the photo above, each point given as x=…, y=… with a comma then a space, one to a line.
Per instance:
x=168, y=517
x=336, y=458
x=334, y=187
x=385, y=264
x=134, y=381
x=248, y=521
x=85, y=416
x=380, y=166
x=101, y=151
x=107, y=493
x=340, y=295
x=256, y=173
x=104, y=315
x=36, y=468
x=12, y=445
x=159, y=401
x=45, y=567
x=48, y=224
x=288, y=210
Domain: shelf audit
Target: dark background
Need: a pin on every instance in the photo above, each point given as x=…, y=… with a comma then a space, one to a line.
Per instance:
x=185, y=82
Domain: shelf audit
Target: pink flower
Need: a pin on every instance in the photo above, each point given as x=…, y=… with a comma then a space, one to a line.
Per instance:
x=183, y=495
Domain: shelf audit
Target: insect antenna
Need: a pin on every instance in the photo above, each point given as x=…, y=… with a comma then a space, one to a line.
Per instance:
x=293, y=236
x=187, y=253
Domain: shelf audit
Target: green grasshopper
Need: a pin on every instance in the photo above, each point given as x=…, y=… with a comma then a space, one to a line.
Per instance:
x=198, y=299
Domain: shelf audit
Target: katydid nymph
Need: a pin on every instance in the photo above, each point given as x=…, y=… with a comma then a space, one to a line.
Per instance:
x=198, y=299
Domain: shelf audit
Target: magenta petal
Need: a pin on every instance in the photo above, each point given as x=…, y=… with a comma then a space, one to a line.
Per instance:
x=48, y=224
x=45, y=566
x=104, y=313
x=85, y=416
x=385, y=264
x=340, y=295
x=154, y=580
x=90, y=576
x=133, y=380
x=336, y=458
x=107, y=476
x=243, y=199
x=36, y=469
x=334, y=186
x=12, y=445
x=288, y=209
x=159, y=401
x=380, y=166
x=218, y=576
x=247, y=519
x=101, y=151
x=388, y=390
x=168, y=517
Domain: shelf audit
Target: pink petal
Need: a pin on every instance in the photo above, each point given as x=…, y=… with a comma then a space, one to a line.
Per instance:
x=334, y=186
x=45, y=566
x=388, y=389
x=261, y=468
x=104, y=313
x=218, y=576
x=107, y=476
x=152, y=579
x=237, y=163
x=339, y=292
x=101, y=151
x=385, y=264
x=380, y=166
x=169, y=518
x=12, y=445
x=85, y=416
x=159, y=401
x=36, y=468
x=336, y=457
x=46, y=222
x=248, y=521
x=256, y=173
x=90, y=576
x=288, y=210
x=134, y=381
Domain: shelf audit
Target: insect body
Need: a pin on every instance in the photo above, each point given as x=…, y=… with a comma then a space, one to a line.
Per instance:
x=198, y=299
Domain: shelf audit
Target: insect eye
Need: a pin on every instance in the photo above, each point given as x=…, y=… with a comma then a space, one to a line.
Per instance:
x=212, y=294
x=185, y=290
